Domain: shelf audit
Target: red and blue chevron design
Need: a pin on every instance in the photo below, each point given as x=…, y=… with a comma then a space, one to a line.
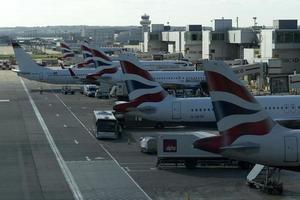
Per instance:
x=95, y=76
x=238, y=116
x=139, y=87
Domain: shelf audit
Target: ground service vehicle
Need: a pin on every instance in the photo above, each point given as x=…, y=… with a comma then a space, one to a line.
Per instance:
x=89, y=90
x=107, y=125
x=177, y=148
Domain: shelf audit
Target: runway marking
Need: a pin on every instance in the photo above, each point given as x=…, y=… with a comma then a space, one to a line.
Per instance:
x=50, y=104
x=99, y=158
x=65, y=126
x=136, y=163
x=127, y=169
x=87, y=158
x=57, y=115
x=4, y=100
x=111, y=156
x=76, y=142
x=64, y=168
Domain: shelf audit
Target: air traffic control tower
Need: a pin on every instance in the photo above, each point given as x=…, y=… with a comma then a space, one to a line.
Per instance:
x=145, y=22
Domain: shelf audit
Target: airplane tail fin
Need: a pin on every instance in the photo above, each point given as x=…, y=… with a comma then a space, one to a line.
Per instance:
x=237, y=111
x=66, y=51
x=140, y=84
x=100, y=58
x=25, y=62
x=72, y=73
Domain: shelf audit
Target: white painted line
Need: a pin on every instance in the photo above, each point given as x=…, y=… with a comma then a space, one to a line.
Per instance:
x=99, y=158
x=50, y=104
x=127, y=169
x=113, y=158
x=136, y=163
x=76, y=142
x=141, y=170
x=65, y=126
x=4, y=100
x=64, y=168
x=87, y=158
x=57, y=115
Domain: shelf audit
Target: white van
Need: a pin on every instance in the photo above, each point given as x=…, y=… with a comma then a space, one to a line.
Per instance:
x=90, y=90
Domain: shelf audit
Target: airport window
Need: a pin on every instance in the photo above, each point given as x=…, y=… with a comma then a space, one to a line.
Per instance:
x=154, y=36
x=200, y=109
x=279, y=37
x=277, y=108
x=208, y=109
x=270, y=108
x=265, y=108
x=273, y=108
x=289, y=37
x=218, y=36
x=298, y=107
x=204, y=109
x=192, y=110
x=297, y=37
x=196, y=110
x=281, y=108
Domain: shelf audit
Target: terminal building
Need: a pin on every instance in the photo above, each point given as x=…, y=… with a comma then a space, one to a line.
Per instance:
x=276, y=48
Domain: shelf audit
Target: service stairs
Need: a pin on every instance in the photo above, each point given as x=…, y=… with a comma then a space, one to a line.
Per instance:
x=267, y=179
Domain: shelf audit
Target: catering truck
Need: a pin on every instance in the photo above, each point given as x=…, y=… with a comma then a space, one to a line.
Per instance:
x=177, y=148
x=107, y=125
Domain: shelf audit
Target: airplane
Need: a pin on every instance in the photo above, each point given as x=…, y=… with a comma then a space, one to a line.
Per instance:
x=110, y=72
x=29, y=69
x=148, y=100
x=247, y=132
x=151, y=65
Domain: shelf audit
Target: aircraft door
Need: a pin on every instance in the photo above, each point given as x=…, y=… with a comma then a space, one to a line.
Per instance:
x=291, y=149
x=176, y=110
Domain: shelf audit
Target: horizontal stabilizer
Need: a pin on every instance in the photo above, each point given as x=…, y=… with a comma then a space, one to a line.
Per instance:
x=241, y=147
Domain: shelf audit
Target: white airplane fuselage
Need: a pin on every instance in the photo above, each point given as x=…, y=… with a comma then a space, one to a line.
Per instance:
x=170, y=79
x=280, y=147
x=171, y=109
x=56, y=75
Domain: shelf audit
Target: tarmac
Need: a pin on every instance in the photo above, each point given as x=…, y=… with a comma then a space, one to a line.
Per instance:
x=48, y=151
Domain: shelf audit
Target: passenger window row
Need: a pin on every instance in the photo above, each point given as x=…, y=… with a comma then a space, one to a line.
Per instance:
x=202, y=109
x=280, y=108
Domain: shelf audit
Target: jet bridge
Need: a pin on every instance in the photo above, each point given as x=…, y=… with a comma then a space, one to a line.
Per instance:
x=250, y=69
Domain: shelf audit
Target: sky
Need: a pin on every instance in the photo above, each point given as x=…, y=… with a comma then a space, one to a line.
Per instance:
x=128, y=12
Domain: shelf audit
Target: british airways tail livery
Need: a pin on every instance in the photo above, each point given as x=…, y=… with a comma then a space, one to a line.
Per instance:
x=142, y=88
x=247, y=131
x=197, y=110
x=29, y=69
x=105, y=65
x=66, y=51
x=87, y=56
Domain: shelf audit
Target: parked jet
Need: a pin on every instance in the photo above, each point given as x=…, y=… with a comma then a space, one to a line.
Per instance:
x=247, y=131
x=149, y=100
x=111, y=73
x=56, y=75
x=153, y=65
